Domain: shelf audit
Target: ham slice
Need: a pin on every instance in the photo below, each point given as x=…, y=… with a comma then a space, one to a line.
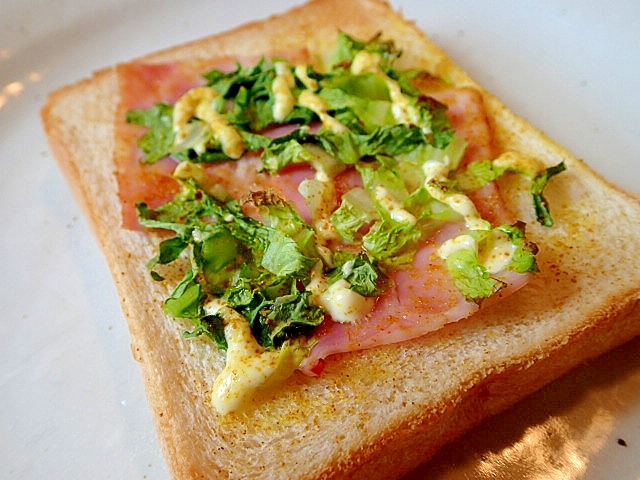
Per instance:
x=141, y=86
x=422, y=297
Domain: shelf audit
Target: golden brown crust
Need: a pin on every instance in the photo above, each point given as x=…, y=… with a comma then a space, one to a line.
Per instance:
x=368, y=407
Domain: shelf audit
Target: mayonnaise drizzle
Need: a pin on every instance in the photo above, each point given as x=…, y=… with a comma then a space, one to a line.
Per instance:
x=198, y=102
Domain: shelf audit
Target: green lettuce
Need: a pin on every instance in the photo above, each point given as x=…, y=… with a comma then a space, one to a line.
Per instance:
x=275, y=319
x=541, y=205
x=392, y=244
x=255, y=266
x=348, y=47
x=479, y=173
x=363, y=274
x=470, y=277
x=157, y=142
x=355, y=211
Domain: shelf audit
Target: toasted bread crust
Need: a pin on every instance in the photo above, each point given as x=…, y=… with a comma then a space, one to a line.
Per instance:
x=365, y=416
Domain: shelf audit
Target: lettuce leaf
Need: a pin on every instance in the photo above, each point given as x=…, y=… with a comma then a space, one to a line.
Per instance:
x=184, y=301
x=479, y=173
x=474, y=279
x=348, y=47
x=238, y=257
x=280, y=215
x=541, y=206
x=469, y=276
x=363, y=274
x=355, y=211
x=274, y=319
x=248, y=91
x=157, y=141
x=371, y=113
x=392, y=244
x=524, y=258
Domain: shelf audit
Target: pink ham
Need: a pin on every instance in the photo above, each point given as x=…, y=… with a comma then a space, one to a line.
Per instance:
x=141, y=86
x=466, y=111
x=421, y=300
x=423, y=297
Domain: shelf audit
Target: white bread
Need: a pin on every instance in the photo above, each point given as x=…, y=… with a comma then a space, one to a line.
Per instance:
x=379, y=413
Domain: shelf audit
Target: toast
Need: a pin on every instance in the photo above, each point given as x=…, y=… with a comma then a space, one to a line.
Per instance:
x=381, y=412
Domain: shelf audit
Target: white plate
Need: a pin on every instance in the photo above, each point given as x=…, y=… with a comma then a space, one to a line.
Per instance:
x=71, y=399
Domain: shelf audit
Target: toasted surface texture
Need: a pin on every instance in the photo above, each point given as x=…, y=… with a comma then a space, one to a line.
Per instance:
x=379, y=413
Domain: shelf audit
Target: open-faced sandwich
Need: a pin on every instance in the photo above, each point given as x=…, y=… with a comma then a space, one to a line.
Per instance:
x=335, y=251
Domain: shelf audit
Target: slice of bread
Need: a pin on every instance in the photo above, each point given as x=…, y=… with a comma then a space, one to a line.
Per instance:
x=382, y=412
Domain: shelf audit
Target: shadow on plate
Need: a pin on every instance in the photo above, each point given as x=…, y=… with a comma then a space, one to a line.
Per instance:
x=556, y=432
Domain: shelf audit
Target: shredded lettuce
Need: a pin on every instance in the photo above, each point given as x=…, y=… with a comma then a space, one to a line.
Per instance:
x=470, y=276
x=359, y=102
x=157, y=142
x=538, y=185
x=355, y=211
x=274, y=319
x=369, y=111
x=385, y=176
x=285, y=150
x=347, y=47
x=473, y=278
x=249, y=92
x=524, y=257
x=257, y=266
x=363, y=274
x=393, y=244
x=479, y=173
